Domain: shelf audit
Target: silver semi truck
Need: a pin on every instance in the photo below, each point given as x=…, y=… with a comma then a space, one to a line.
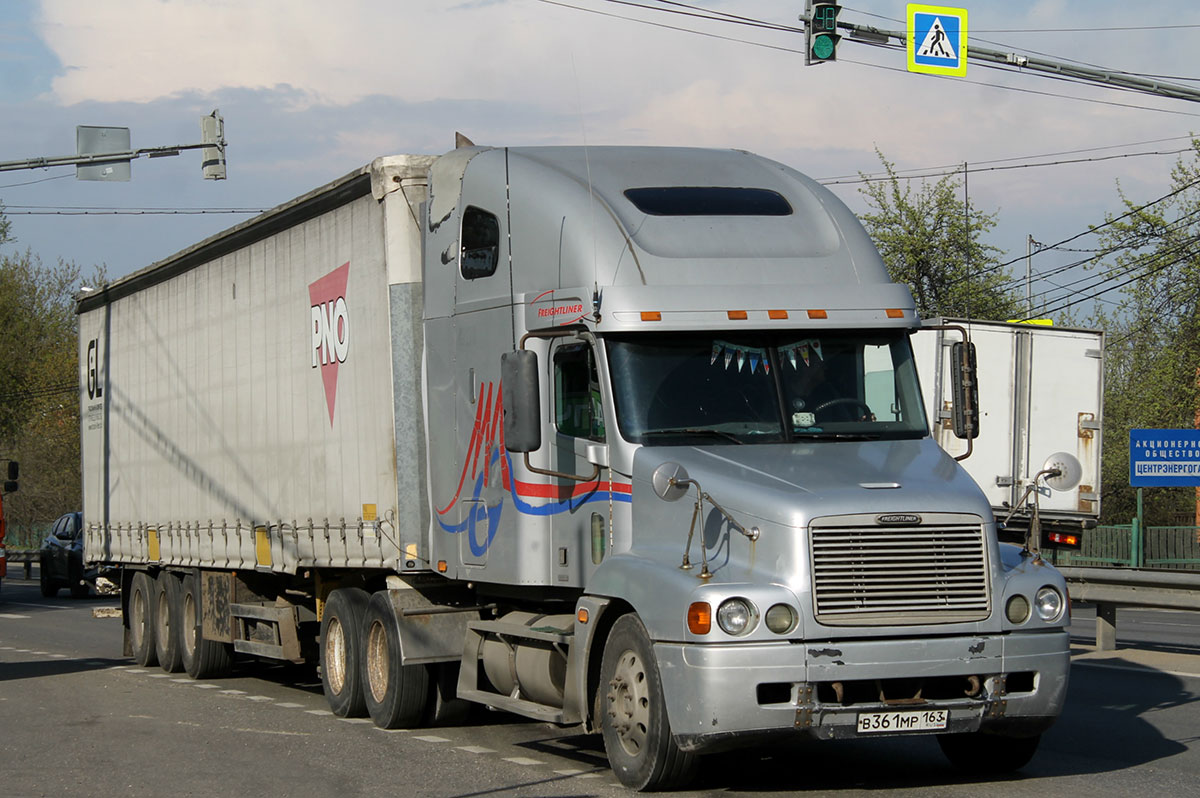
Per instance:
x=584, y=434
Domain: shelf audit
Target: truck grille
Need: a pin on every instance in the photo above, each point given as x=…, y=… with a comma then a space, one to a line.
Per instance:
x=900, y=575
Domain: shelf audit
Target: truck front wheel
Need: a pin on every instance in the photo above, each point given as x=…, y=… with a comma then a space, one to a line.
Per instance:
x=397, y=695
x=988, y=753
x=141, y=614
x=341, y=649
x=633, y=713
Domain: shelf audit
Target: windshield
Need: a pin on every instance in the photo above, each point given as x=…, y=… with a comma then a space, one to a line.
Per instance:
x=689, y=388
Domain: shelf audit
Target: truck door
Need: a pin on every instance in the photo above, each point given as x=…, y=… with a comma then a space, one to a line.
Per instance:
x=578, y=422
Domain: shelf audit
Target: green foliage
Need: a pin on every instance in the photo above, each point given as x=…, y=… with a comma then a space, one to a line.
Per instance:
x=1152, y=341
x=39, y=384
x=930, y=239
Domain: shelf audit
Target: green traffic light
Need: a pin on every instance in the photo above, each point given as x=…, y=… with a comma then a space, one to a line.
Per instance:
x=822, y=47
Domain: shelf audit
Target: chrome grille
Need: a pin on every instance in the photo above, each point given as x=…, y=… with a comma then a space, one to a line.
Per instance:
x=902, y=575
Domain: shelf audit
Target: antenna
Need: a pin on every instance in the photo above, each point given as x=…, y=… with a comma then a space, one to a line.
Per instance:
x=587, y=162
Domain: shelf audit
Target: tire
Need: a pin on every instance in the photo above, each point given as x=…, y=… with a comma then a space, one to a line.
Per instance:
x=79, y=590
x=445, y=709
x=200, y=657
x=633, y=713
x=341, y=651
x=397, y=695
x=988, y=753
x=167, y=625
x=45, y=581
x=140, y=619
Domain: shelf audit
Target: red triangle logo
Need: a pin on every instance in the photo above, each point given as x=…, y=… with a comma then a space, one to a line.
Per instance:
x=329, y=325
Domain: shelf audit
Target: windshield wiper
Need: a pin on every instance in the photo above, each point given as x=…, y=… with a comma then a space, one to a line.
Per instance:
x=836, y=436
x=694, y=431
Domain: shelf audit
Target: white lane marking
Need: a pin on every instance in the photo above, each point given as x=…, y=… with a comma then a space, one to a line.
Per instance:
x=59, y=656
x=321, y=712
x=40, y=606
x=260, y=698
x=206, y=686
x=182, y=681
x=354, y=720
x=286, y=704
x=522, y=760
x=568, y=772
x=391, y=731
x=233, y=692
x=475, y=749
x=12, y=617
x=276, y=732
x=430, y=738
x=159, y=675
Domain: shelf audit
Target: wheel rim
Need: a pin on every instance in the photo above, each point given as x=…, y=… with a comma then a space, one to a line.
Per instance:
x=377, y=662
x=189, y=625
x=629, y=703
x=163, y=618
x=137, y=612
x=335, y=656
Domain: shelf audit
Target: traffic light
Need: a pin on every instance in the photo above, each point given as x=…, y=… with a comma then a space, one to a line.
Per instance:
x=212, y=133
x=820, y=33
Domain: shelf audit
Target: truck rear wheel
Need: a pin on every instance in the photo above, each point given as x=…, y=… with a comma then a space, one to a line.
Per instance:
x=988, y=753
x=633, y=713
x=141, y=624
x=397, y=695
x=201, y=658
x=341, y=651
x=166, y=622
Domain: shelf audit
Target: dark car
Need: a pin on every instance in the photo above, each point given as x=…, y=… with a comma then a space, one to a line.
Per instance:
x=61, y=557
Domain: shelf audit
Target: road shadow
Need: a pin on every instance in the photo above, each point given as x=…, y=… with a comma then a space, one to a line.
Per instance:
x=43, y=668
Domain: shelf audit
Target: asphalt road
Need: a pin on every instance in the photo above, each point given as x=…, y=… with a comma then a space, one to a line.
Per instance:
x=76, y=718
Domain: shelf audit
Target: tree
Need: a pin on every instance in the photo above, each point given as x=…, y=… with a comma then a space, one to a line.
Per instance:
x=931, y=240
x=1152, y=342
x=39, y=379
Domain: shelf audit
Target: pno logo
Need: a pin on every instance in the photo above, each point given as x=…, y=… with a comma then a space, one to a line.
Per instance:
x=329, y=325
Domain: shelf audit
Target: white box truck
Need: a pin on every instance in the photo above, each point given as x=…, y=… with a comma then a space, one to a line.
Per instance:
x=584, y=434
x=1041, y=396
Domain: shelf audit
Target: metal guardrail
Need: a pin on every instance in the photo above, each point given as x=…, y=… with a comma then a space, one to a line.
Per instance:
x=1109, y=588
x=26, y=557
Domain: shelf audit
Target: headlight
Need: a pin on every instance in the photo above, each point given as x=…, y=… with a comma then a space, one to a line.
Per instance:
x=1017, y=609
x=736, y=616
x=1049, y=604
x=781, y=619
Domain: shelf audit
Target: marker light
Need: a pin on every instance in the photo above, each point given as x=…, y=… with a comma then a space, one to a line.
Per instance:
x=737, y=315
x=895, y=313
x=777, y=314
x=651, y=315
x=582, y=615
x=699, y=618
x=818, y=314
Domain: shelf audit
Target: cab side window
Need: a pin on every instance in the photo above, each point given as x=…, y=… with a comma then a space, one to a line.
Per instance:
x=578, y=411
x=480, y=244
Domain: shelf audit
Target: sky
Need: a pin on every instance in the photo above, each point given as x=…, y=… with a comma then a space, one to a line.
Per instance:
x=313, y=90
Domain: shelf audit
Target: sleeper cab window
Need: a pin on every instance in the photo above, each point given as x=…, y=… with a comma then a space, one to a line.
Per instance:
x=480, y=244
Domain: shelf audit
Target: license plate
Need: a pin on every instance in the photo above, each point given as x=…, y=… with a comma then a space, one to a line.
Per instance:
x=884, y=722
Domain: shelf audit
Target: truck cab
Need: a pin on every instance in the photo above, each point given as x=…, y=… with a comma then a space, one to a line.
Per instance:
x=707, y=446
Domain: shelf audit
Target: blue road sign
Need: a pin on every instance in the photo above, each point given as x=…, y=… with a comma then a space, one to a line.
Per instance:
x=1160, y=458
x=937, y=40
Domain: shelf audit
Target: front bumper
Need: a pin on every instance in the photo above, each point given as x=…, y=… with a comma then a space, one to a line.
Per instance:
x=725, y=695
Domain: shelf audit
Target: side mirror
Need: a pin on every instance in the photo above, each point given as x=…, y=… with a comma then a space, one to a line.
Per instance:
x=521, y=395
x=965, y=386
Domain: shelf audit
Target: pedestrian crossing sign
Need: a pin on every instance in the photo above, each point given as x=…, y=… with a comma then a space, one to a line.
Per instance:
x=937, y=40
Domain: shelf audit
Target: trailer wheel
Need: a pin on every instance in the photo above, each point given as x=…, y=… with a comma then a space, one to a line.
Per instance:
x=201, y=658
x=633, y=713
x=988, y=753
x=141, y=624
x=397, y=695
x=341, y=651
x=167, y=622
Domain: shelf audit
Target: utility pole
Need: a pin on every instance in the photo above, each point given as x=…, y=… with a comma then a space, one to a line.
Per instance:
x=92, y=152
